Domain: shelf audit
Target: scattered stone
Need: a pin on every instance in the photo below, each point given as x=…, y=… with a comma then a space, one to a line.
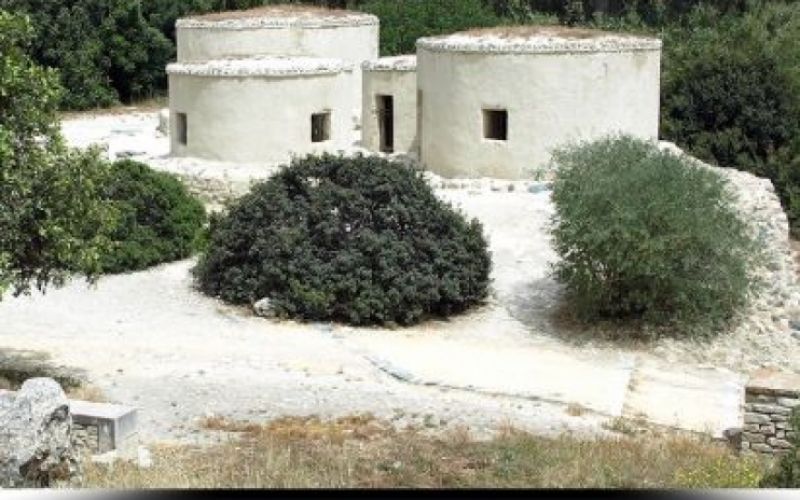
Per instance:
x=121, y=155
x=35, y=445
x=734, y=437
x=263, y=308
x=143, y=458
x=539, y=187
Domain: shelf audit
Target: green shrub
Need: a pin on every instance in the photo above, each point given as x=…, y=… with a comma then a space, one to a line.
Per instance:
x=644, y=235
x=158, y=220
x=786, y=474
x=361, y=240
x=405, y=21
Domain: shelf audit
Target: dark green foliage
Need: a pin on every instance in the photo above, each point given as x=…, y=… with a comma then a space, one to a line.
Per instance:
x=786, y=473
x=158, y=220
x=731, y=93
x=51, y=215
x=104, y=49
x=405, y=21
x=645, y=236
x=359, y=240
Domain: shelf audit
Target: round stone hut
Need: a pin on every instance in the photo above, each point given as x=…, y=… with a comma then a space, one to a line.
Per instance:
x=495, y=102
x=260, y=109
x=389, y=107
x=263, y=84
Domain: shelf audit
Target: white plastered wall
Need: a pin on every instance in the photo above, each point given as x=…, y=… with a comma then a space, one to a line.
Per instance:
x=402, y=86
x=551, y=99
x=350, y=43
x=258, y=118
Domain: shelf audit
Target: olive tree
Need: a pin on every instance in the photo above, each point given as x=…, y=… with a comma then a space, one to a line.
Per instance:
x=51, y=217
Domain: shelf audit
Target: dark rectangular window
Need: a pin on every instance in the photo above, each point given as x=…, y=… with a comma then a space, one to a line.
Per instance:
x=321, y=126
x=495, y=124
x=386, y=122
x=182, y=128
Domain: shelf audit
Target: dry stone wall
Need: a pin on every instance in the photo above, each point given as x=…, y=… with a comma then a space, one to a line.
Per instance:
x=770, y=398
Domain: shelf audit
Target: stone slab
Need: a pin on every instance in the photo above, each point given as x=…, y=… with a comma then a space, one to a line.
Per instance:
x=694, y=399
x=769, y=381
x=596, y=383
x=116, y=424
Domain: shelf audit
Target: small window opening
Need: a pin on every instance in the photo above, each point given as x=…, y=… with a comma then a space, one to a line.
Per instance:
x=182, y=128
x=495, y=124
x=321, y=126
x=386, y=122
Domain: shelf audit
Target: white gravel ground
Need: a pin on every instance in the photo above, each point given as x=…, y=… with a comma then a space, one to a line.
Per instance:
x=150, y=340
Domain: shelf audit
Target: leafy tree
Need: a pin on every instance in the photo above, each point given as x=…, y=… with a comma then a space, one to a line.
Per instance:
x=731, y=93
x=405, y=21
x=104, y=49
x=51, y=218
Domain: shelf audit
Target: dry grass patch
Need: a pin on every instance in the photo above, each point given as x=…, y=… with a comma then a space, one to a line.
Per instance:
x=363, y=452
x=87, y=392
x=288, y=10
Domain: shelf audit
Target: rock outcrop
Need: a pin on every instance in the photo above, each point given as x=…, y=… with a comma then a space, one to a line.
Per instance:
x=35, y=428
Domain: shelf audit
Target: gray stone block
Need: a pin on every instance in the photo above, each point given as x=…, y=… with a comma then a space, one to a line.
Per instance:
x=760, y=398
x=767, y=429
x=779, y=443
x=779, y=418
x=753, y=437
x=116, y=424
x=756, y=418
x=762, y=448
x=788, y=402
x=770, y=409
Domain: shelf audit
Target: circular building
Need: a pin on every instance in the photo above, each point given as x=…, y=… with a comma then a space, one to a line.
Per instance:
x=279, y=30
x=495, y=102
x=260, y=109
x=389, y=106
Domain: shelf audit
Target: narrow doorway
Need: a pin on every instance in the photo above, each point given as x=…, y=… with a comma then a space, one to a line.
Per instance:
x=386, y=123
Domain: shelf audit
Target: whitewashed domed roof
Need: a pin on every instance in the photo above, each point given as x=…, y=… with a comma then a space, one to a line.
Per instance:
x=279, y=16
x=538, y=39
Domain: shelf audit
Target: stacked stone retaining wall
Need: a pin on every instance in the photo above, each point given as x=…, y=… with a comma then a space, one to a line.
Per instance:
x=770, y=398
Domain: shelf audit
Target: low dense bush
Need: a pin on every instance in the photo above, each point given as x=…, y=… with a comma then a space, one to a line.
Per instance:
x=786, y=473
x=644, y=235
x=361, y=240
x=157, y=219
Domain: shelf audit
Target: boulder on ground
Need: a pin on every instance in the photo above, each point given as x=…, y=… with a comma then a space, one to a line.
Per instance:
x=263, y=308
x=35, y=444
